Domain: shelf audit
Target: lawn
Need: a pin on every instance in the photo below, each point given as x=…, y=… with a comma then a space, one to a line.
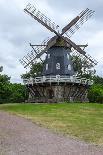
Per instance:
x=84, y=121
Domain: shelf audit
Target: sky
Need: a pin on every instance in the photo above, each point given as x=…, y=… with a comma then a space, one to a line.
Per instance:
x=17, y=30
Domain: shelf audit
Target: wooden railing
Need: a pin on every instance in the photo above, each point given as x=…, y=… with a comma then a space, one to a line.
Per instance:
x=58, y=79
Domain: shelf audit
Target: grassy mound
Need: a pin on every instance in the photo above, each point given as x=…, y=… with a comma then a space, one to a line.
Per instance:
x=84, y=121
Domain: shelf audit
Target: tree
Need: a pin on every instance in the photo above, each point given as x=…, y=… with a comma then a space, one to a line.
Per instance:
x=82, y=67
x=35, y=70
x=95, y=93
x=4, y=88
x=98, y=80
x=4, y=79
x=11, y=92
x=18, y=93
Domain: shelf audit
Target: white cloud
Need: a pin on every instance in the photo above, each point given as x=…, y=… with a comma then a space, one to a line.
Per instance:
x=96, y=44
x=17, y=29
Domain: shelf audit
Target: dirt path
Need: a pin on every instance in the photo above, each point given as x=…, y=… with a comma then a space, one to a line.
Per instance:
x=19, y=136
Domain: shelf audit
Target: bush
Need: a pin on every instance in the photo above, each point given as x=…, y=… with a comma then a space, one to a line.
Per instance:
x=18, y=93
x=95, y=93
x=11, y=92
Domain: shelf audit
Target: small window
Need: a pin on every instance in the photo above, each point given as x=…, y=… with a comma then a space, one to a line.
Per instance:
x=58, y=66
x=46, y=66
x=48, y=56
x=69, y=67
x=68, y=56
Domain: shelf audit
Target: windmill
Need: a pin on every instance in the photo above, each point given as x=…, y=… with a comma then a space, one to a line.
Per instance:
x=58, y=74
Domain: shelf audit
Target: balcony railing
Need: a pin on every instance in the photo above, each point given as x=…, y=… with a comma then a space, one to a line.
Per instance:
x=57, y=79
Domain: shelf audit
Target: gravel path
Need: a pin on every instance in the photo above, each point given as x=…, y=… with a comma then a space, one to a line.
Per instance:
x=19, y=136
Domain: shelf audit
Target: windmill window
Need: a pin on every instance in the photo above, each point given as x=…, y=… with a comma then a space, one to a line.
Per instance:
x=69, y=67
x=58, y=66
x=68, y=56
x=48, y=56
x=46, y=66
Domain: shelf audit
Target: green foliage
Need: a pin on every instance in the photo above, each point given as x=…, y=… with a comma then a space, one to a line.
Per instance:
x=98, y=80
x=4, y=88
x=95, y=93
x=82, y=67
x=4, y=79
x=35, y=70
x=17, y=93
x=11, y=92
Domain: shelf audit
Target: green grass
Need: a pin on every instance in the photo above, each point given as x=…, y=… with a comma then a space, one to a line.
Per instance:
x=84, y=121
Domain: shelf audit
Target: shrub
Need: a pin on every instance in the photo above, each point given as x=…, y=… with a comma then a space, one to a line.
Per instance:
x=95, y=93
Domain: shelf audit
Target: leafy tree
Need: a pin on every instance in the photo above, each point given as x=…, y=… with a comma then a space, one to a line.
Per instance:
x=95, y=93
x=11, y=92
x=18, y=93
x=35, y=70
x=82, y=67
x=4, y=79
x=98, y=80
x=4, y=88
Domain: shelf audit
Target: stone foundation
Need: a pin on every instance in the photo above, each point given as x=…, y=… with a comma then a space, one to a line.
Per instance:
x=40, y=93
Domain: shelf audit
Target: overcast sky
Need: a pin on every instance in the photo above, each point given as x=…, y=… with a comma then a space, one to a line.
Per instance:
x=17, y=30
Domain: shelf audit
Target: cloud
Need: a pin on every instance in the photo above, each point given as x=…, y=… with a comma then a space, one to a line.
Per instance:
x=17, y=29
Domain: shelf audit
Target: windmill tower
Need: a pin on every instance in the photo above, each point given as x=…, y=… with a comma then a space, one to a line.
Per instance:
x=57, y=82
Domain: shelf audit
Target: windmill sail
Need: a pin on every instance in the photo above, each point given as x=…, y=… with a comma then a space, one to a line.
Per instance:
x=76, y=23
x=41, y=18
x=35, y=54
x=69, y=30
x=78, y=49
